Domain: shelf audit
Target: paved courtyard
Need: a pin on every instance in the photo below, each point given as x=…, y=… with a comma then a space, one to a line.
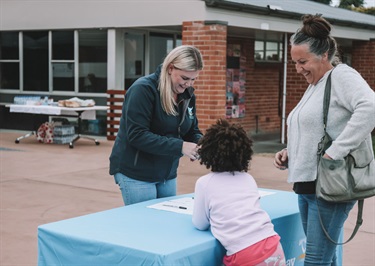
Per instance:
x=43, y=183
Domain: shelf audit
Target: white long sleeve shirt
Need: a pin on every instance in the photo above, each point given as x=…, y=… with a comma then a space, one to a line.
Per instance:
x=351, y=118
x=230, y=204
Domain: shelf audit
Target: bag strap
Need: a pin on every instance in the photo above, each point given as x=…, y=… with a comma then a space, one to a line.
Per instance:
x=326, y=100
x=357, y=225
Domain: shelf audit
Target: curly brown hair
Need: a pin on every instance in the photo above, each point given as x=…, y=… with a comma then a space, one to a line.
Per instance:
x=225, y=147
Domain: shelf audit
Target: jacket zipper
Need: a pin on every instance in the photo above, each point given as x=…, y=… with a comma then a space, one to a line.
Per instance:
x=136, y=158
x=184, y=108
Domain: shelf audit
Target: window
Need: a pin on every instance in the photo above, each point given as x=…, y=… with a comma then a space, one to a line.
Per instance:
x=75, y=61
x=347, y=58
x=63, y=45
x=92, y=61
x=160, y=45
x=134, y=57
x=63, y=60
x=268, y=51
x=9, y=61
x=35, y=61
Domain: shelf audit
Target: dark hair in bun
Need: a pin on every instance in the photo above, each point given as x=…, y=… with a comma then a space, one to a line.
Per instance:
x=316, y=33
x=315, y=26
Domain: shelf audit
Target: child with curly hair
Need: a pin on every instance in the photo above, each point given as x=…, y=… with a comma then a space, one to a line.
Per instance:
x=227, y=199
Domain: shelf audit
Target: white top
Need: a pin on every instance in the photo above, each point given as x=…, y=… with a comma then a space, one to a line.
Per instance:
x=230, y=204
x=351, y=118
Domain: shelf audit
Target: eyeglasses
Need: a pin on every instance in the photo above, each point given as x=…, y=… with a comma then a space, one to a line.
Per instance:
x=187, y=80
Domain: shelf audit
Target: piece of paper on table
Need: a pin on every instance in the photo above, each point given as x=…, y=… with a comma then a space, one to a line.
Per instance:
x=180, y=205
x=264, y=193
x=186, y=205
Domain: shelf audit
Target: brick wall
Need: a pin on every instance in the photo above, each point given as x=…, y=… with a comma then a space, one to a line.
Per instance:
x=211, y=40
x=264, y=81
x=263, y=113
x=363, y=60
x=296, y=85
x=263, y=85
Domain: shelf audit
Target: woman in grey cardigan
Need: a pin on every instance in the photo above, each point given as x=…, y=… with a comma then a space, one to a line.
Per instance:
x=351, y=119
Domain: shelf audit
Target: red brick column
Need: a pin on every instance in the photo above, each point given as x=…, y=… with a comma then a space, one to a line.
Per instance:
x=363, y=60
x=211, y=39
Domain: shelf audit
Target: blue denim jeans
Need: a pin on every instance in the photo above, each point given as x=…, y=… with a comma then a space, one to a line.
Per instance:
x=319, y=250
x=134, y=191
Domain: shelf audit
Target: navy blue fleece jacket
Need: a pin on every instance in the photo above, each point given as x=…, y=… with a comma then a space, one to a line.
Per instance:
x=149, y=142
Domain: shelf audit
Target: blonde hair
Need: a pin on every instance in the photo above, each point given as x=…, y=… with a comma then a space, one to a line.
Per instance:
x=184, y=57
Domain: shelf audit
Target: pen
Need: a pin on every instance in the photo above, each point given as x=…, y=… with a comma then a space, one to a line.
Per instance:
x=175, y=206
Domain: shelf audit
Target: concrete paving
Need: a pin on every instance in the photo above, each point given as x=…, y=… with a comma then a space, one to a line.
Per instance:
x=43, y=183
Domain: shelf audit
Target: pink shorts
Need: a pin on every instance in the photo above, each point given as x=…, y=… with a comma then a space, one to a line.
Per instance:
x=264, y=253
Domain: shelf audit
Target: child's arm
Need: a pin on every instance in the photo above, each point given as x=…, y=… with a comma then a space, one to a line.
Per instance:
x=200, y=213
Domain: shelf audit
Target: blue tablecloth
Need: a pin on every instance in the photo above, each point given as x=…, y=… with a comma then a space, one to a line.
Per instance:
x=137, y=235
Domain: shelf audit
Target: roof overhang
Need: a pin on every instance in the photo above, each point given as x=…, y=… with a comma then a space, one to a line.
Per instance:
x=274, y=11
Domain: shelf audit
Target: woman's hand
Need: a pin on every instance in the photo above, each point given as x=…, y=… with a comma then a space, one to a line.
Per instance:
x=281, y=159
x=190, y=149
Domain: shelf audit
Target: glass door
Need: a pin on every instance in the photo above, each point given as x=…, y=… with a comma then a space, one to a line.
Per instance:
x=134, y=57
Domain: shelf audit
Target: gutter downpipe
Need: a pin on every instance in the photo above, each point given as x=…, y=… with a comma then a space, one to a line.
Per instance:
x=284, y=89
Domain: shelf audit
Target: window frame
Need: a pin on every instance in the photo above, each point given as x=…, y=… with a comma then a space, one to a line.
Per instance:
x=52, y=61
x=177, y=40
x=264, y=51
x=20, y=64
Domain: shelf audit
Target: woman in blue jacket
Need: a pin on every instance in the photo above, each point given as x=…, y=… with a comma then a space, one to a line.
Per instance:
x=157, y=127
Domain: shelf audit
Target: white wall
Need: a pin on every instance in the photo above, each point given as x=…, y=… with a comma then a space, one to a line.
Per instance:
x=64, y=14
x=60, y=14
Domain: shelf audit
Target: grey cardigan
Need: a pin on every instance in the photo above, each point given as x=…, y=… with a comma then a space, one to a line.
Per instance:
x=351, y=119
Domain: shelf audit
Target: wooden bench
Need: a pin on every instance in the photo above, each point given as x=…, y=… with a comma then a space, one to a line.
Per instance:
x=115, y=99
